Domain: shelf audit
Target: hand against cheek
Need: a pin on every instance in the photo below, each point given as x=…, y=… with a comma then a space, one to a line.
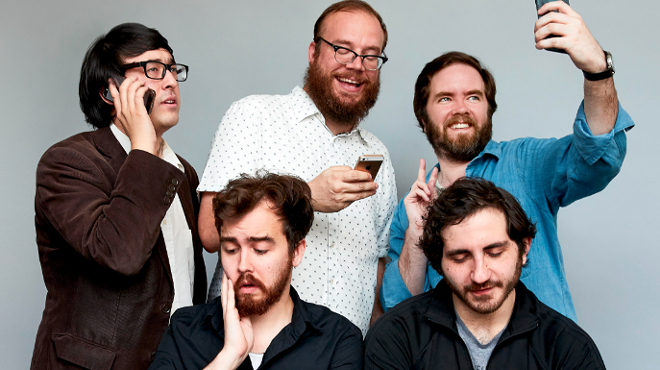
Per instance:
x=132, y=115
x=339, y=186
x=420, y=196
x=573, y=36
x=239, y=337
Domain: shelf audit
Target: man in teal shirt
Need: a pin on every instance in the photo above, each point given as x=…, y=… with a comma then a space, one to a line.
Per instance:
x=454, y=103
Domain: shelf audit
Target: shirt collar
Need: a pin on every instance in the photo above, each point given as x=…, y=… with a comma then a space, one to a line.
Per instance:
x=304, y=107
x=492, y=148
x=125, y=142
x=442, y=311
x=300, y=319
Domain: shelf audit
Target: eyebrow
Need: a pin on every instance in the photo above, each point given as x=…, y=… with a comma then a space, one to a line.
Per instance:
x=447, y=93
x=488, y=247
x=368, y=49
x=252, y=239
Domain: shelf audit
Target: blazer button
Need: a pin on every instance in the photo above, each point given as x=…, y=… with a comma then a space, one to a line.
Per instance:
x=167, y=200
x=175, y=182
x=152, y=356
x=166, y=308
x=172, y=187
x=169, y=194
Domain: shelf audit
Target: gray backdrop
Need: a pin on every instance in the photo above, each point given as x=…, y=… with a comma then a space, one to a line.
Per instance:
x=237, y=48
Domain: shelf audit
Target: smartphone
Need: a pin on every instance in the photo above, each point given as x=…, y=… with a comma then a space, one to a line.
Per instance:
x=539, y=4
x=369, y=163
x=149, y=96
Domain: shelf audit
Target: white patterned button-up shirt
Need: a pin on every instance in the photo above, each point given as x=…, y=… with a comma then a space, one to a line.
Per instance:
x=286, y=134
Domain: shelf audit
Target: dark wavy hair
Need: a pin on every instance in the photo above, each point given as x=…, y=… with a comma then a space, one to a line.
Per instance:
x=464, y=198
x=422, y=89
x=104, y=59
x=347, y=6
x=288, y=196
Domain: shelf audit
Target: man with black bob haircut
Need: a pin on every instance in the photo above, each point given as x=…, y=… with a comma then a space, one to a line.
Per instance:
x=262, y=222
x=315, y=133
x=480, y=316
x=116, y=213
x=454, y=104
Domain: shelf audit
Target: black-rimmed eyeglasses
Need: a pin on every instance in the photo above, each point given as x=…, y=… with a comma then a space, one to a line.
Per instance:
x=156, y=70
x=347, y=56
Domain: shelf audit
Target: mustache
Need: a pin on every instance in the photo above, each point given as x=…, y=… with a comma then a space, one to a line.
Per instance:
x=248, y=279
x=489, y=284
x=460, y=118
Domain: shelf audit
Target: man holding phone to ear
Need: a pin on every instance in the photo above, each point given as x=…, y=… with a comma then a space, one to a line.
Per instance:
x=116, y=213
x=454, y=104
x=314, y=133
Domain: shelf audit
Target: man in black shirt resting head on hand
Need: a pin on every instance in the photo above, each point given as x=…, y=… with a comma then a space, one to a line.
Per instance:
x=262, y=222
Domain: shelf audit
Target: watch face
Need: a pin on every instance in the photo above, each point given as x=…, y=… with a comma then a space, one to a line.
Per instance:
x=608, y=60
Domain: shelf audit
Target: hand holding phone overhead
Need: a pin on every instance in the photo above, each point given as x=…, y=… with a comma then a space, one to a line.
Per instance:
x=558, y=19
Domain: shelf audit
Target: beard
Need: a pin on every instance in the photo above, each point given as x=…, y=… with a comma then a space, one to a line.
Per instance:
x=486, y=304
x=465, y=147
x=248, y=304
x=318, y=85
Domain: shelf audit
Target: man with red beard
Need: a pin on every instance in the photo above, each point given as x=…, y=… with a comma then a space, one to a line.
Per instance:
x=480, y=316
x=314, y=133
x=262, y=222
x=454, y=104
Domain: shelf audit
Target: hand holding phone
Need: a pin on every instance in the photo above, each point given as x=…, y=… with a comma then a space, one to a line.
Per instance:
x=539, y=4
x=369, y=163
x=149, y=96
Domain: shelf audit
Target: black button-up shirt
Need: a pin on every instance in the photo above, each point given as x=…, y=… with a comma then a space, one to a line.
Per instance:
x=316, y=338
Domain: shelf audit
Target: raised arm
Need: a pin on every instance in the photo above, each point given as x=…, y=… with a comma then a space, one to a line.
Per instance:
x=573, y=36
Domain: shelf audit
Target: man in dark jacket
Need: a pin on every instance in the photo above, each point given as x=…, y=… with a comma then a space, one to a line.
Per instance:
x=116, y=213
x=479, y=316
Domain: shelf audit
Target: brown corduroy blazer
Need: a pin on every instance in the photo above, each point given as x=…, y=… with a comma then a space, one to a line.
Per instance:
x=102, y=254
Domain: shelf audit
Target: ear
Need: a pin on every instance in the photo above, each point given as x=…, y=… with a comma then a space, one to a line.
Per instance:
x=423, y=126
x=527, y=244
x=298, y=253
x=311, y=52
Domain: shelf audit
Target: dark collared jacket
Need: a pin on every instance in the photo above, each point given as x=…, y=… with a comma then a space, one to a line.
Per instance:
x=420, y=333
x=102, y=254
x=316, y=338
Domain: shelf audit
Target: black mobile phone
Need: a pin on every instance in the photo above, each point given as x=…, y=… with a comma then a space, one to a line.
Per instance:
x=369, y=163
x=149, y=96
x=539, y=4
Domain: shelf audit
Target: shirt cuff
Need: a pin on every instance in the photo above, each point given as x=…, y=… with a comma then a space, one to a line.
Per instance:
x=591, y=147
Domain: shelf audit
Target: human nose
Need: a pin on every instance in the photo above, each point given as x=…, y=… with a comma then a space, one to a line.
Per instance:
x=169, y=81
x=245, y=263
x=460, y=107
x=480, y=271
x=357, y=63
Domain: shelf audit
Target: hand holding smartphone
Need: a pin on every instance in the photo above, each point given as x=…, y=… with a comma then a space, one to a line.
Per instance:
x=369, y=163
x=539, y=4
x=149, y=96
